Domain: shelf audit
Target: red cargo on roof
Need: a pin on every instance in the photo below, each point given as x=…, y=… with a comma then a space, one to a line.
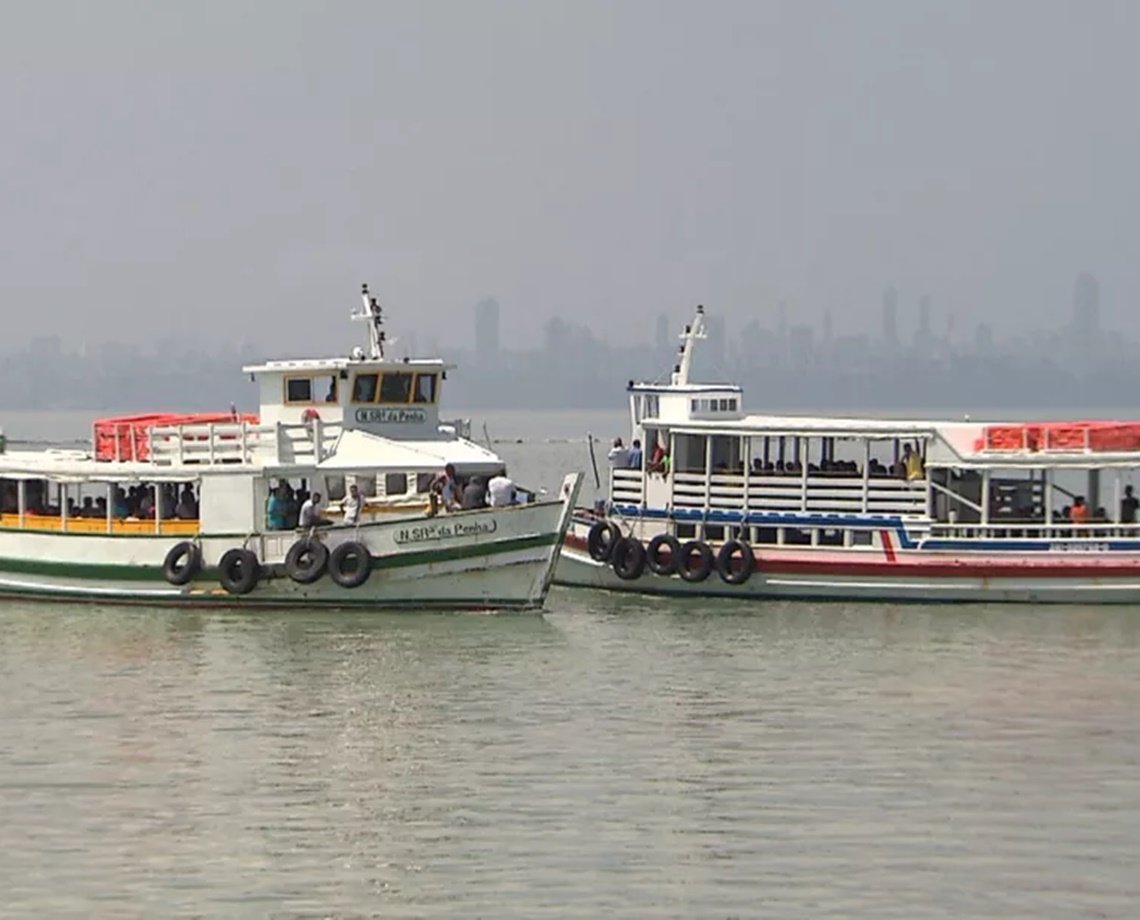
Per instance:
x=1062, y=436
x=127, y=437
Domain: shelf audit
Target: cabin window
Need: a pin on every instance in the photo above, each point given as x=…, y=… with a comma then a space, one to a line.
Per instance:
x=298, y=390
x=425, y=388
x=335, y=488
x=395, y=483
x=423, y=482
x=696, y=405
x=652, y=406
x=366, y=485
x=364, y=388
x=396, y=388
x=690, y=453
x=726, y=455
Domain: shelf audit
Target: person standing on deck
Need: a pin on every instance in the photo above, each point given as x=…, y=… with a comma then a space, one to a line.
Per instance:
x=634, y=459
x=618, y=455
x=912, y=463
x=1128, y=506
x=311, y=512
x=351, y=506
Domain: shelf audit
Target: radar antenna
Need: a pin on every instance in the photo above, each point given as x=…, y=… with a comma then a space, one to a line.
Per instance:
x=373, y=314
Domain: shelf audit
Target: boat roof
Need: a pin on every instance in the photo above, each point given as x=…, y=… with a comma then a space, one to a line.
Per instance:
x=358, y=450
x=341, y=364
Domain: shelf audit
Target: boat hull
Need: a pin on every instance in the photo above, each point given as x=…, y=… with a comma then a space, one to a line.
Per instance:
x=908, y=576
x=490, y=559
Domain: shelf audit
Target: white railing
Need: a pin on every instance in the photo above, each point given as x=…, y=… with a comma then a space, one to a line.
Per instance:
x=626, y=487
x=242, y=442
x=817, y=494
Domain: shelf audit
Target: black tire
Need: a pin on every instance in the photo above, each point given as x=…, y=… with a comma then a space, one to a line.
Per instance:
x=239, y=571
x=695, y=561
x=182, y=563
x=350, y=564
x=653, y=554
x=602, y=538
x=728, y=574
x=628, y=559
x=306, y=560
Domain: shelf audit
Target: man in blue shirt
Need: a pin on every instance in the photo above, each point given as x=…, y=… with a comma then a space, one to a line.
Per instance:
x=634, y=461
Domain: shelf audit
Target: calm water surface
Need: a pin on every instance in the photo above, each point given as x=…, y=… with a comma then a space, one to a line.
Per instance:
x=611, y=757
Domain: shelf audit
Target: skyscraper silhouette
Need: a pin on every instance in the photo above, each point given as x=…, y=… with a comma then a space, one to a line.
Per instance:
x=487, y=329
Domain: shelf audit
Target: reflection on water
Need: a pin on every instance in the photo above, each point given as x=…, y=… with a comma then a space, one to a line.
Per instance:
x=627, y=756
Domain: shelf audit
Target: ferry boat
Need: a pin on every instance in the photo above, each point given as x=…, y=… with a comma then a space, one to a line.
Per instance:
x=720, y=502
x=203, y=509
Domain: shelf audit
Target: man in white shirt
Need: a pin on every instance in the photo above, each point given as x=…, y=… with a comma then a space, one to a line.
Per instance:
x=311, y=512
x=619, y=455
x=351, y=506
x=500, y=491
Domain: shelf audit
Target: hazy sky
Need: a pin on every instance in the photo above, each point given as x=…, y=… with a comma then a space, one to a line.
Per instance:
x=234, y=170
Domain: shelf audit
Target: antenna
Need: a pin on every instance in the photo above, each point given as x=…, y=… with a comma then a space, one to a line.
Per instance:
x=694, y=331
x=373, y=314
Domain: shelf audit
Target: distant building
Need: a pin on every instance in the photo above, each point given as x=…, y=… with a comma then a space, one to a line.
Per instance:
x=891, y=319
x=487, y=329
x=924, y=335
x=1086, y=308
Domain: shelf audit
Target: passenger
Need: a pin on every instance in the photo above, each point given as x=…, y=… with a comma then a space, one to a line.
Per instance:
x=474, y=494
x=187, y=507
x=618, y=455
x=277, y=508
x=634, y=460
x=311, y=513
x=101, y=506
x=330, y=397
x=120, y=508
x=446, y=487
x=1079, y=514
x=351, y=506
x=1128, y=506
x=88, y=509
x=912, y=463
x=659, y=462
x=501, y=491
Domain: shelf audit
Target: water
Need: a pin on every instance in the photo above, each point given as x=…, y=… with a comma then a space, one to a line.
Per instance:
x=615, y=756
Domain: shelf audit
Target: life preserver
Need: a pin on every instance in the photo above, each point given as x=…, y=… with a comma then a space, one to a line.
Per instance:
x=239, y=571
x=600, y=541
x=310, y=415
x=306, y=560
x=694, y=561
x=728, y=574
x=628, y=558
x=657, y=565
x=350, y=564
x=182, y=563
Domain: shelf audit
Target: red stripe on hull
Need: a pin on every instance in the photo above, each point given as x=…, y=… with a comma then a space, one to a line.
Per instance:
x=928, y=565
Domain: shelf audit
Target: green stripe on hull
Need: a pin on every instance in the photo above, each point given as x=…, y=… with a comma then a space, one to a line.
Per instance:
x=153, y=573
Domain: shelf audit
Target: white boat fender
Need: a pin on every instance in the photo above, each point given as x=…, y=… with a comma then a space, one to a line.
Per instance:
x=239, y=571
x=735, y=575
x=628, y=558
x=696, y=561
x=182, y=563
x=657, y=564
x=601, y=540
x=306, y=561
x=350, y=564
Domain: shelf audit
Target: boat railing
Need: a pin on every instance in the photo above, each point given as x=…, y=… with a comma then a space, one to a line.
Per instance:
x=242, y=443
x=626, y=486
x=796, y=493
x=1069, y=534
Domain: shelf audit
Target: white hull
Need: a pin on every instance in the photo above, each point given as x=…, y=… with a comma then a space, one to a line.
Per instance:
x=917, y=576
x=491, y=559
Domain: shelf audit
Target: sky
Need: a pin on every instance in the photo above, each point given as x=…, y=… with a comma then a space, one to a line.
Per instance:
x=232, y=171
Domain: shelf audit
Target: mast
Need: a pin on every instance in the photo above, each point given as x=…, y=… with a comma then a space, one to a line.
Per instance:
x=694, y=331
x=374, y=316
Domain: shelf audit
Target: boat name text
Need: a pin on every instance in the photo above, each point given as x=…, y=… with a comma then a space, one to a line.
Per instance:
x=391, y=416
x=445, y=530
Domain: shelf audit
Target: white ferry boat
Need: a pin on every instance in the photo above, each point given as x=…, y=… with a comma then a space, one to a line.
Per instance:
x=718, y=502
x=199, y=509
